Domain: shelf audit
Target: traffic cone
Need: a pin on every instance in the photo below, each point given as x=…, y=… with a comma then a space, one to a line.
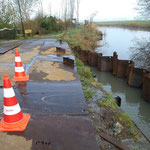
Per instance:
x=14, y=119
x=19, y=70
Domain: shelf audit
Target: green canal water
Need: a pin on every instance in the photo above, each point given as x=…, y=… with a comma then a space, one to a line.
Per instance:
x=132, y=102
x=121, y=40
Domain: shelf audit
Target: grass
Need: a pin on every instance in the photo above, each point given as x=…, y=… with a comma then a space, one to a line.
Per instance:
x=88, y=81
x=134, y=23
x=53, y=34
x=124, y=119
x=86, y=38
x=86, y=78
x=108, y=101
x=88, y=93
x=1, y=43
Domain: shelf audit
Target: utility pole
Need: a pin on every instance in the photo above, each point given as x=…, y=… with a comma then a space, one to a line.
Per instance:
x=21, y=19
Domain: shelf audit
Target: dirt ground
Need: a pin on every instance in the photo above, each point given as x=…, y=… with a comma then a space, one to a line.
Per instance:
x=51, y=71
x=36, y=47
x=103, y=119
x=15, y=142
x=10, y=70
x=26, y=57
x=52, y=50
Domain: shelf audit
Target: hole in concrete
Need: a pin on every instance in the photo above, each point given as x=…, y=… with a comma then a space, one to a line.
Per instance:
x=83, y=110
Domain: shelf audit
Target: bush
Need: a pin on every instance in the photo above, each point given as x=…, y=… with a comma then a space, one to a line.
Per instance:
x=44, y=24
x=49, y=24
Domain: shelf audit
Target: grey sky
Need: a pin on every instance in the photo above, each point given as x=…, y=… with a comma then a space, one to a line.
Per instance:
x=106, y=9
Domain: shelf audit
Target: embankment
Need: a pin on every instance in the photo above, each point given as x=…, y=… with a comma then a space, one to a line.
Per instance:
x=136, y=77
x=102, y=106
x=143, y=24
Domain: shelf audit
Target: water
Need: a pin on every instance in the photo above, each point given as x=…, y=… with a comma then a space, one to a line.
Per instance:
x=120, y=39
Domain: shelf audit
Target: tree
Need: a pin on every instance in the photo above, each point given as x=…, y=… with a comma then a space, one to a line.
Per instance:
x=27, y=7
x=92, y=16
x=71, y=8
x=9, y=11
x=77, y=9
x=144, y=8
x=6, y=14
x=141, y=53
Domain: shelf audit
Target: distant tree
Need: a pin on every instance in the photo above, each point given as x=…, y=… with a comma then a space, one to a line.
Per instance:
x=49, y=24
x=72, y=8
x=92, y=16
x=77, y=9
x=6, y=14
x=27, y=7
x=141, y=53
x=144, y=8
x=9, y=11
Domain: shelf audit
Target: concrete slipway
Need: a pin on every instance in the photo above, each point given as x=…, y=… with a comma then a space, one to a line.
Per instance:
x=53, y=96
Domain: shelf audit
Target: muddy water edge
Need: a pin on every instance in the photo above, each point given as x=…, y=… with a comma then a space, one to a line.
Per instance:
x=132, y=101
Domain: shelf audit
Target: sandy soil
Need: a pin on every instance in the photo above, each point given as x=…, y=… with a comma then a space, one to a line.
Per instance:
x=36, y=47
x=10, y=70
x=14, y=142
x=50, y=71
x=52, y=50
x=26, y=57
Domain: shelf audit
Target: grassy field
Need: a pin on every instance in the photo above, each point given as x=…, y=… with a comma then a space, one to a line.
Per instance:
x=86, y=38
x=1, y=43
x=136, y=24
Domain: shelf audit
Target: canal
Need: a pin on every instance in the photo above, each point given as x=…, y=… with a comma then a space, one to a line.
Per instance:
x=121, y=40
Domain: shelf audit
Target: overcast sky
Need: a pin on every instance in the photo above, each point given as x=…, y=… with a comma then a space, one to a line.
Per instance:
x=106, y=9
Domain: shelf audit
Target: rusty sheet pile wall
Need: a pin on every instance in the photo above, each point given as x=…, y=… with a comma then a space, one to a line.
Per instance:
x=136, y=77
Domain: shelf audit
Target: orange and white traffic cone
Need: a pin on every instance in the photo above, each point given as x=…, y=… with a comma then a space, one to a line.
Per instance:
x=14, y=119
x=19, y=70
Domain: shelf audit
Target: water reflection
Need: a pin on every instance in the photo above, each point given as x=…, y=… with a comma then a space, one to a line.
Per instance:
x=132, y=101
x=140, y=53
x=22, y=89
x=120, y=40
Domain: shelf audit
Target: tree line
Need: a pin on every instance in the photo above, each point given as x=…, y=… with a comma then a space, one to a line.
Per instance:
x=10, y=16
x=69, y=9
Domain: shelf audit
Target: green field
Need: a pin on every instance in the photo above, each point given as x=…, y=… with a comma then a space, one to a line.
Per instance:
x=136, y=23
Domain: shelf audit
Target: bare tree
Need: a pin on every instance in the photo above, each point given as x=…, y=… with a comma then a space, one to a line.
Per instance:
x=141, y=53
x=77, y=9
x=40, y=8
x=92, y=16
x=72, y=8
x=7, y=13
x=50, y=8
x=144, y=8
x=27, y=7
